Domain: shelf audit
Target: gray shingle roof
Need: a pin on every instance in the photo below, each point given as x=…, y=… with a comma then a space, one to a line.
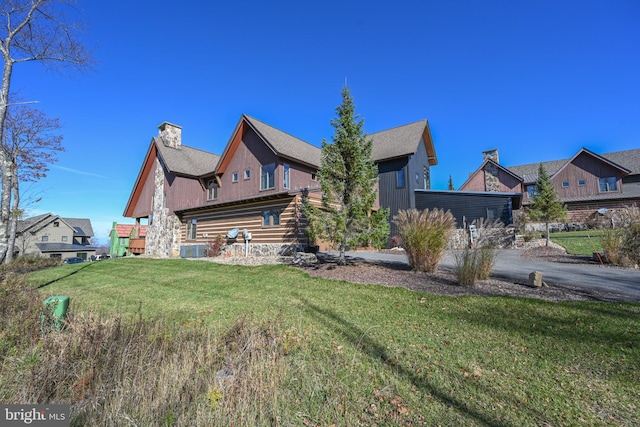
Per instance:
x=82, y=226
x=397, y=142
x=186, y=160
x=286, y=145
x=628, y=159
x=27, y=223
x=63, y=247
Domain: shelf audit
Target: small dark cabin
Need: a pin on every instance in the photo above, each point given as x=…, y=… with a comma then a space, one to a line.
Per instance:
x=467, y=206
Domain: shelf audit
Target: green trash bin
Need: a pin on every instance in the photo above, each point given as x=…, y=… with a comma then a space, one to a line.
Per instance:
x=55, y=311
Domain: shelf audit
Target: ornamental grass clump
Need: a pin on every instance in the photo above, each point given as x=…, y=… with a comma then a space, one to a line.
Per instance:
x=476, y=263
x=425, y=236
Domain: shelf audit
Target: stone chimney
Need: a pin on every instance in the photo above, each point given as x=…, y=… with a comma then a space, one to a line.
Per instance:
x=491, y=154
x=491, y=178
x=170, y=134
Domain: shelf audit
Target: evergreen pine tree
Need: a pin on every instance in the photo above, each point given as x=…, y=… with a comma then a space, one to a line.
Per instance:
x=546, y=206
x=450, y=186
x=347, y=178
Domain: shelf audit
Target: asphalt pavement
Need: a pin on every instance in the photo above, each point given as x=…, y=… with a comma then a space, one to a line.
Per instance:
x=511, y=265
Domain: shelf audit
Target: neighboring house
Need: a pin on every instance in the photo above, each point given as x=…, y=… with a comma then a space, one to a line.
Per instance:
x=588, y=183
x=121, y=237
x=50, y=235
x=189, y=196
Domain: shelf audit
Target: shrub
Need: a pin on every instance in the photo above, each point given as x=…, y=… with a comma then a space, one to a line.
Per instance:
x=215, y=246
x=467, y=266
x=425, y=236
x=611, y=245
x=631, y=244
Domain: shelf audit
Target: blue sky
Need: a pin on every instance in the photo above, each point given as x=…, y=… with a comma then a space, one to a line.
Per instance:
x=536, y=79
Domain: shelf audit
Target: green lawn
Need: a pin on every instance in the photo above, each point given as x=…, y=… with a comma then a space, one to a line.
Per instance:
x=579, y=242
x=373, y=355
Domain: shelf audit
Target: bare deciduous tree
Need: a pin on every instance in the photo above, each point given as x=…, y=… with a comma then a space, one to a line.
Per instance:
x=30, y=143
x=32, y=30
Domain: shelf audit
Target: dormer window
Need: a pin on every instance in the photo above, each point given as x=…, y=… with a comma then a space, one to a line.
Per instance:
x=212, y=189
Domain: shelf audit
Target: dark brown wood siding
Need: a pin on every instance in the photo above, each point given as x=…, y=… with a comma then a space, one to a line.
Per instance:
x=143, y=206
x=589, y=169
x=183, y=192
x=251, y=154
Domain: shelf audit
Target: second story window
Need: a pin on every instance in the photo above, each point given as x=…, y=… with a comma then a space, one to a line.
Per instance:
x=608, y=184
x=532, y=191
x=45, y=238
x=400, y=178
x=65, y=238
x=212, y=189
x=247, y=174
x=268, y=176
x=234, y=177
x=286, y=175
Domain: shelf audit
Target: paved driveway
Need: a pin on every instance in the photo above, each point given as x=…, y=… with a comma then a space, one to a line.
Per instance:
x=512, y=266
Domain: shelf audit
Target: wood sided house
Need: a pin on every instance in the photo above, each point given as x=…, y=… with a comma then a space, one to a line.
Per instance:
x=589, y=184
x=121, y=236
x=188, y=196
x=52, y=236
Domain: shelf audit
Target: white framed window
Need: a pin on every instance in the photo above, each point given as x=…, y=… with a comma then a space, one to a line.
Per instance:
x=608, y=184
x=212, y=189
x=234, y=177
x=268, y=176
x=45, y=238
x=565, y=184
x=247, y=174
x=65, y=238
x=191, y=229
x=286, y=176
x=581, y=183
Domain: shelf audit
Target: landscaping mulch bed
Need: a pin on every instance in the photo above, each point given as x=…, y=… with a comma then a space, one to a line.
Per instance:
x=445, y=283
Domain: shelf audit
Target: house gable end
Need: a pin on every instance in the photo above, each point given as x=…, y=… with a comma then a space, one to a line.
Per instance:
x=145, y=170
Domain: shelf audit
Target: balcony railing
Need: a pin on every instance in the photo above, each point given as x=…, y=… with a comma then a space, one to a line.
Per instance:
x=136, y=246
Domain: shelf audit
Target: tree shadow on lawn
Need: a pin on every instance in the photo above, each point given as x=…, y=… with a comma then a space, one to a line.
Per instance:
x=362, y=342
x=51, y=282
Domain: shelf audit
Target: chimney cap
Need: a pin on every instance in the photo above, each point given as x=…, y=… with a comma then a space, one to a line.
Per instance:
x=163, y=125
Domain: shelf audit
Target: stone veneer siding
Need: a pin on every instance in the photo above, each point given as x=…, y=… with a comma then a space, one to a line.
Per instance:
x=491, y=180
x=163, y=233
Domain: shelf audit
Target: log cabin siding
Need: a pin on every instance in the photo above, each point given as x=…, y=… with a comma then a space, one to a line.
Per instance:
x=249, y=216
